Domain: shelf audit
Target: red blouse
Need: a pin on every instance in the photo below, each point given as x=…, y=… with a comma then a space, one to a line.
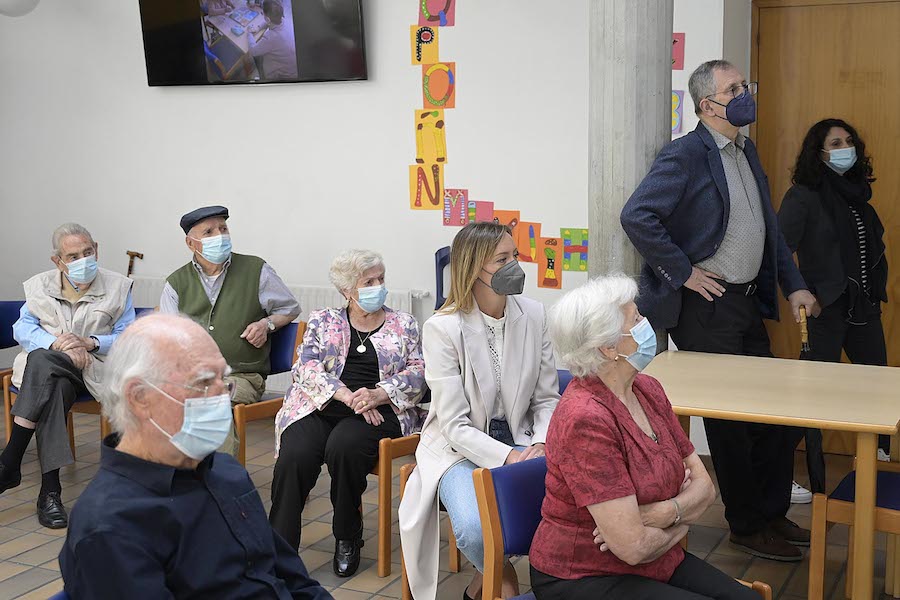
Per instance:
x=595, y=453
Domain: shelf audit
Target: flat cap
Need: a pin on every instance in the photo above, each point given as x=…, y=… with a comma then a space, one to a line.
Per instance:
x=195, y=216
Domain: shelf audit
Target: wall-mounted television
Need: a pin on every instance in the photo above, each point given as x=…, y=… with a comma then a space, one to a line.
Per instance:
x=214, y=42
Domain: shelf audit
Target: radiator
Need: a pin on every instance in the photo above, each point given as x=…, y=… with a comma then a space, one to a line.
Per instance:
x=147, y=290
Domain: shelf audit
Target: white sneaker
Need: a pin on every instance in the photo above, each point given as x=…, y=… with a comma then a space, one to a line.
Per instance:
x=883, y=456
x=799, y=494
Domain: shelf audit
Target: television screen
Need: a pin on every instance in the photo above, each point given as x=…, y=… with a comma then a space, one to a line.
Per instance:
x=199, y=42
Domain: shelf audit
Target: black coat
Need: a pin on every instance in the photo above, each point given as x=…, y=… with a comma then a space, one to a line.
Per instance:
x=810, y=230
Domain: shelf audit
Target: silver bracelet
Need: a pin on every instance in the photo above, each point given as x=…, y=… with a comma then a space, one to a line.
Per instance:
x=677, y=512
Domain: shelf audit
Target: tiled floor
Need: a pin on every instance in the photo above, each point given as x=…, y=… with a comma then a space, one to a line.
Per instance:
x=28, y=552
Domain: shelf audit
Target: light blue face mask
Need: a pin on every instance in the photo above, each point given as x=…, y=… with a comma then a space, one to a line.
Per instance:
x=216, y=249
x=206, y=425
x=83, y=270
x=372, y=298
x=645, y=337
x=841, y=160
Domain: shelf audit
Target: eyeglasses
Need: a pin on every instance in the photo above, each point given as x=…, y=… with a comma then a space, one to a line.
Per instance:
x=230, y=388
x=739, y=89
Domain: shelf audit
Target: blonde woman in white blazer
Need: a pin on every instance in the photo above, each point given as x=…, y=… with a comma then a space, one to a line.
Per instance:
x=489, y=364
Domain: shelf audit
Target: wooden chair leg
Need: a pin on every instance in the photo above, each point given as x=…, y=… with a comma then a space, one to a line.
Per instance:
x=8, y=398
x=848, y=589
x=452, y=549
x=763, y=589
x=385, y=479
x=105, y=428
x=70, y=425
x=240, y=429
x=817, y=547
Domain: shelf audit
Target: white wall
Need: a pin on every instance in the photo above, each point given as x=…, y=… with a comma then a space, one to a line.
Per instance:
x=317, y=167
x=306, y=169
x=701, y=23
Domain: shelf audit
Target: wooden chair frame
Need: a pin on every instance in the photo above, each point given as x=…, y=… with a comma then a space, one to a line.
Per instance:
x=455, y=558
x=827, y=512
x=492, y=530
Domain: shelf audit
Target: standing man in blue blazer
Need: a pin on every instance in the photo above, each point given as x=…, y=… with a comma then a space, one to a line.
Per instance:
x=714, y=257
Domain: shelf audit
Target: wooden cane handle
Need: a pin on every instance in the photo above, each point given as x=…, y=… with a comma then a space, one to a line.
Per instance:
x=804, y=331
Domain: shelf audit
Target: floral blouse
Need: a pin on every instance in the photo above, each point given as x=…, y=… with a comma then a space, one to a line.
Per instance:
x=324, y=353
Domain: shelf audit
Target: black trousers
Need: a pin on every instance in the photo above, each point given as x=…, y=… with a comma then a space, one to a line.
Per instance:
x=864, y=344
x=754, y=462
x=340, y=439
x=692, y=580
x=50, y=384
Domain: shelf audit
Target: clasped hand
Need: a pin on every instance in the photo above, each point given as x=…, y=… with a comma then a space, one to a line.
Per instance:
x=76, y=347
x=365, y=402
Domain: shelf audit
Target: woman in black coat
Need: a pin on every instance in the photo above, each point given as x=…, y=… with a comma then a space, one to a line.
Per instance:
x=828, y=221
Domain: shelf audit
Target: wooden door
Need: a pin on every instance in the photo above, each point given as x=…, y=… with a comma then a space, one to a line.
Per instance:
x=831, y=58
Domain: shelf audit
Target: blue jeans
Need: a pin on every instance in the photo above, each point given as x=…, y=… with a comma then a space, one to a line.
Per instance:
x=457, y=494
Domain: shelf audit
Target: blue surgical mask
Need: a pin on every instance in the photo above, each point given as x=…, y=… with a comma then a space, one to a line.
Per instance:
x=645, y=337
x=216, y=249
x=841, y=160
x=372, y=298
x=206, y=425
x=82, y=271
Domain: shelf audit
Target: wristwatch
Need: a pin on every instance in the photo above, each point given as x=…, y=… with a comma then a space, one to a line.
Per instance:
x=96, y=344
x=270, y=324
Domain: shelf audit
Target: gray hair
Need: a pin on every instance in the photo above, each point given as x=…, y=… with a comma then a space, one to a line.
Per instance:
x=703, y=80
x=67, y=229
x=139, y=355
x=589, y=318
x=348, y=266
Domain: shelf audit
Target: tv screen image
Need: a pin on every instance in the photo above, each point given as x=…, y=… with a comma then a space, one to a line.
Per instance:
x=201, y=42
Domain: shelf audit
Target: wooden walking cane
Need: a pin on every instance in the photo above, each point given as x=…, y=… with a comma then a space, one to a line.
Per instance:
x=131, y=256
x=804, y=332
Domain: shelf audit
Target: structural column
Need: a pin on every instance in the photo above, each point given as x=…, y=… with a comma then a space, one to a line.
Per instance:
x=630, y=120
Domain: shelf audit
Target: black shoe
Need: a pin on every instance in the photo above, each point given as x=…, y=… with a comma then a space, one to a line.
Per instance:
x=790, y=531
x=9, y=478
x=51, y=512
x=346, y=557
x=767, y=544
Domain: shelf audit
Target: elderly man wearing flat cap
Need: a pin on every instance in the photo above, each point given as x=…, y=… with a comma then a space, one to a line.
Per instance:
x=237, y=298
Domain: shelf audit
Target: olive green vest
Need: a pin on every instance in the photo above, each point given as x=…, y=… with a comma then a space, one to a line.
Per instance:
x=236, y=307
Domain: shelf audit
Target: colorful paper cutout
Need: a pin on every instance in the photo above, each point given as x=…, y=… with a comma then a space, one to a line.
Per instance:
x=426, y=187
x=575, y=248
x=677, y=110
x=549, y=265
x=423, y=44
x=431, y=141
x=440, y=13
x=527, y=235
x=456, y=206
x=510, y=218
x=678, y=52
x=479, y=210
x=439, y=85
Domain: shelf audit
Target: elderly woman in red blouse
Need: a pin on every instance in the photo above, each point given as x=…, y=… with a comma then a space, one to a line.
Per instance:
x=623, y=480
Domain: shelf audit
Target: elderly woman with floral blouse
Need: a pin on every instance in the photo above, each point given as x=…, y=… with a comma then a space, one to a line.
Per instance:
x=358, y=379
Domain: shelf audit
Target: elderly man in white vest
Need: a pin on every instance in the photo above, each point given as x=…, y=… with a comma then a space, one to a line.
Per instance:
x=71, y=317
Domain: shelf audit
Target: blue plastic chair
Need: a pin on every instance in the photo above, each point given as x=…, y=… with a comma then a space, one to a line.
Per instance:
x=9, y=314
x=60, y=596
x=441, y=262
x=283, y=355
x=509, y=501
x=565, y=378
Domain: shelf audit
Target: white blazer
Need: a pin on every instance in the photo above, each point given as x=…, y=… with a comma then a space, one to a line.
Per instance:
x=459, y=372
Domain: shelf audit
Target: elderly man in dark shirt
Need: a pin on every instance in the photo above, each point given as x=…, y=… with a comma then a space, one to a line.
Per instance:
x=166, y=516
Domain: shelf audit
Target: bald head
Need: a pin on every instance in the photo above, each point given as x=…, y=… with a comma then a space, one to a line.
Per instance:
x=154, y=348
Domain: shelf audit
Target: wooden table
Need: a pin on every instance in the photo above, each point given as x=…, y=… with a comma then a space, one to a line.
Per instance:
x=840, y=397
x=224, y=23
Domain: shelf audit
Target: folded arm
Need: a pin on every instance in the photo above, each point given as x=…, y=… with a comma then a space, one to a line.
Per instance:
x=696, y=494
x=624, y=534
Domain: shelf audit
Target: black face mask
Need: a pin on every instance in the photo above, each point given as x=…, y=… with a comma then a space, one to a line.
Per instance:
x=508, y=280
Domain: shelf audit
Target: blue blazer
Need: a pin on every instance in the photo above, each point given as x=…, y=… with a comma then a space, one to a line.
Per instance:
x=677, y=217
